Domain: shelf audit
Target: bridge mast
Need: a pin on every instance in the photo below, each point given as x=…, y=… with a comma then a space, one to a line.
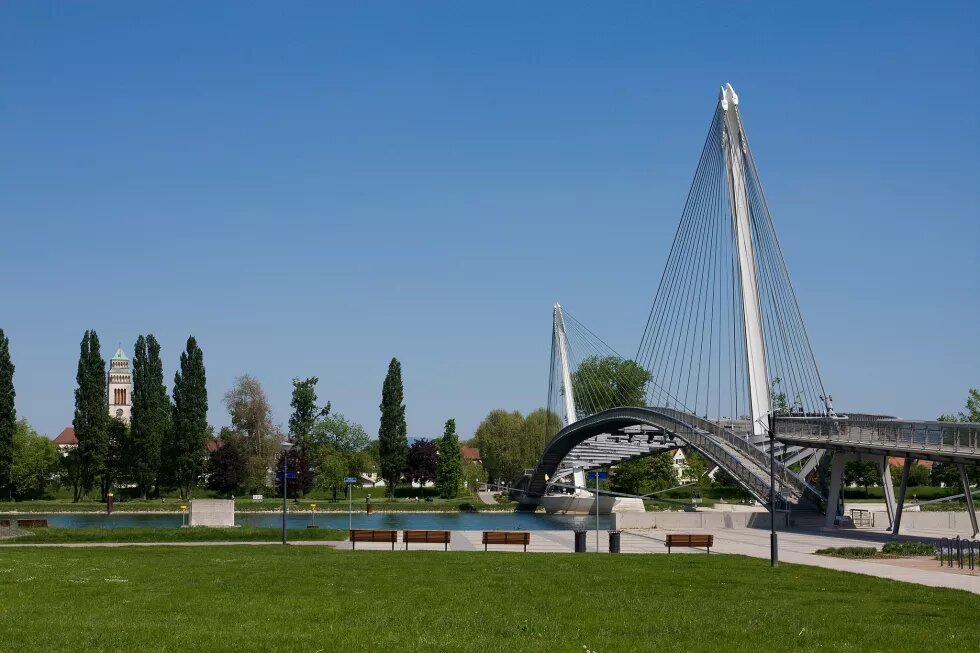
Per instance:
x=561, y=342
x=736, y=148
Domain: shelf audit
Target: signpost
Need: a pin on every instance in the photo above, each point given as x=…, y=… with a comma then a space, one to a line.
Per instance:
x=350, y=480
x=597, y=476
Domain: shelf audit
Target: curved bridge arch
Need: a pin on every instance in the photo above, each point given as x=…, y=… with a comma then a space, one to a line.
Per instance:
x=748, y=464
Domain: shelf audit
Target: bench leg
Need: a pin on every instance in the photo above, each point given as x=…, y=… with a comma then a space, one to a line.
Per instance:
x=525, y=548
x=392, y=545
x=484, y=546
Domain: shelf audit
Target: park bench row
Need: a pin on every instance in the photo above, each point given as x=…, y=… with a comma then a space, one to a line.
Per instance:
x=434, y=537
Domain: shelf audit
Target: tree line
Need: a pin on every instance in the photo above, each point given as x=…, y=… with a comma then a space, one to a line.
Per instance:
x=163, y=446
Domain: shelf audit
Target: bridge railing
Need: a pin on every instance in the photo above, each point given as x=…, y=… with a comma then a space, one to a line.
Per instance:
x=952, y=437
x=759, y=483
x=745, y=447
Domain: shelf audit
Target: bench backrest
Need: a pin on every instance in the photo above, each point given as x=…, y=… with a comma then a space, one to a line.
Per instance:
x=32, y=523
x=437, y=537
x=506, y=537
x=373, y=535
x=690, y=539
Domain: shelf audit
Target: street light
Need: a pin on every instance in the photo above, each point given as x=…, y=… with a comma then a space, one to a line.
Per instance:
x=773, y=544
x=285, y=446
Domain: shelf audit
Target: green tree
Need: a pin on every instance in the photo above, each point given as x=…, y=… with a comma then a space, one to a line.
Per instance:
x=8, y=416
x=150, y=422
x=972, y=413
x=393, y=433
x=663, y=476
x=502, y=440
x=539, y=426
x=607, y=382
x=697, y=467
x=338, y=448
x=35, y=463
x=91, y=415
x=251, y=419
x=632, y=476
x=226, y=466
x=918, y=475
x=862, y=472
x=190, y=420
x=449, y=466
x=117, y=462
x=305, y=412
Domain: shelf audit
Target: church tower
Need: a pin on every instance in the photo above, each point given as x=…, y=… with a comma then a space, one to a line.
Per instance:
x=120, y=387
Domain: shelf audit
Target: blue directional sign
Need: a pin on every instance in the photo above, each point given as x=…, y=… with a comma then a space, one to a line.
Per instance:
x=594, y=475
x=350, y=480
x=289, y=475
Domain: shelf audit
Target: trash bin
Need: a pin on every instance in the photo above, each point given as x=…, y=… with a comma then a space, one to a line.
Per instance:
x=613, y=541
x=580, y=541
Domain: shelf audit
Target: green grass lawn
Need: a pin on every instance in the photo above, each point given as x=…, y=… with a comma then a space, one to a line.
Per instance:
x=195, y=534
x=319, y=599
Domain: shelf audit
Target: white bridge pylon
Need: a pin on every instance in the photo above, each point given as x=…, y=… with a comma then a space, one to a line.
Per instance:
x=568, y=394
x=736, y=148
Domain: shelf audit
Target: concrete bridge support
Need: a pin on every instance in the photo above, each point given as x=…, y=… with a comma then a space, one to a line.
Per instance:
x=888, y=489
x=897, y=522
x=968, y=494
x=836, y=482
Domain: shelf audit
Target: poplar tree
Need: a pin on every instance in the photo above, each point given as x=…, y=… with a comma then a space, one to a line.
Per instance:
x=190, y=420
x=8, y=416
x=449, y=465
x=150, y=420
x=393, y=434
x=91, y=413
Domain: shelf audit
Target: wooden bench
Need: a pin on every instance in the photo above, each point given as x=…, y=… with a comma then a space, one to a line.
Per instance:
x=692, y=540
x=32, y=523
x=426, y=537
x=5, y=522
x=506, y=537
x=372, y=535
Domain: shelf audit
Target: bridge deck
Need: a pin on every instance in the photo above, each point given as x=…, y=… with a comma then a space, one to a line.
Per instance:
x=955, y=442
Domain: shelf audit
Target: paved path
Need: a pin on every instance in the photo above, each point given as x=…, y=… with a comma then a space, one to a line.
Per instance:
x=487, y=497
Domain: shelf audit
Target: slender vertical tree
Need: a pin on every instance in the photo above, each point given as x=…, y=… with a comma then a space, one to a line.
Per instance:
x=190, y=420
x=393, y=434
x=449, y=466
x=305, y=412
x=8, y=416
x=150, y=421
x=91, y=413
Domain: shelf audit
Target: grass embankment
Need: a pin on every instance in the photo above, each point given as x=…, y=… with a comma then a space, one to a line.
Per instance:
x=195, y=534
x=890, y=550
x=308, y=599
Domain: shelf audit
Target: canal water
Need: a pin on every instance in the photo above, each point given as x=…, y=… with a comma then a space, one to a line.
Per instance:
x=392, y=520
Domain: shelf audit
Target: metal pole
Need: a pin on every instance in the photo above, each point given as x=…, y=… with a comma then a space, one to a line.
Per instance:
x=597, y=511
x=284, y=481
x=773, y=545
x=350, y=506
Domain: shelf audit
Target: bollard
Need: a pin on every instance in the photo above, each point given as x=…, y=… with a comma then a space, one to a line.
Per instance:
x=108, y=504
x=580, y=541
x=369, y=506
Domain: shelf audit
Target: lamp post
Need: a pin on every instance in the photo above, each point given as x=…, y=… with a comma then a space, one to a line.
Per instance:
x=773, y=546
x=285, y=446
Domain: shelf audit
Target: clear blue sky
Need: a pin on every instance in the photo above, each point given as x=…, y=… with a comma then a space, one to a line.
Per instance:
x=312, y=188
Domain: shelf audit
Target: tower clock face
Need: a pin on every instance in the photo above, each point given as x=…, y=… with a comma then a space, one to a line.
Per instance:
x=119, y=412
